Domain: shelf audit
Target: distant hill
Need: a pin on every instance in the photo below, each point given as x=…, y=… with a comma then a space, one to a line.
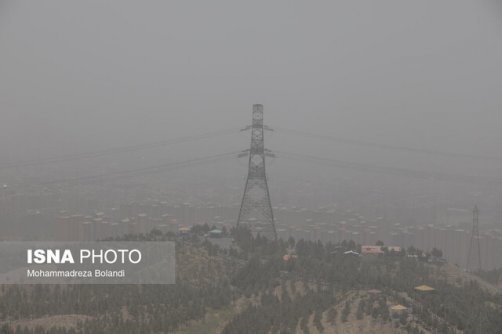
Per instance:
x=257, y=286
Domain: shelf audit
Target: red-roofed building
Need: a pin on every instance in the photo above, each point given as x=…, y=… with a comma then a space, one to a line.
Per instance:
x=371, y=250
x=376, y=250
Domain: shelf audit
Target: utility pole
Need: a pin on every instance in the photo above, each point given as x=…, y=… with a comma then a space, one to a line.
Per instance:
x=256, y=207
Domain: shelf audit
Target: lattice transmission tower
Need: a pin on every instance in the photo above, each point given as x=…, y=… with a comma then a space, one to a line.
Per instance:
x=256, y=208
x=474, y=239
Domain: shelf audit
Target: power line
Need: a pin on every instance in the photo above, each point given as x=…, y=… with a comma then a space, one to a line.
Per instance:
x=161, y=168
x=118, y=150
x=223, y=132
x=410, y=173
x=356, y=142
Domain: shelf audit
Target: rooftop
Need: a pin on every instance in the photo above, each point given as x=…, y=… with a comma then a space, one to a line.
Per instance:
x=424, y=288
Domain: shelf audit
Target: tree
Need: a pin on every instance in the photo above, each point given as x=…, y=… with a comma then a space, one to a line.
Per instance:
x=360, y=309
x=437, y=253
x=332, y=315
x=346, y=311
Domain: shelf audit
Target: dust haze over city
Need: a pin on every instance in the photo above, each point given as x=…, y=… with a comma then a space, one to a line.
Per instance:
x=125, y=116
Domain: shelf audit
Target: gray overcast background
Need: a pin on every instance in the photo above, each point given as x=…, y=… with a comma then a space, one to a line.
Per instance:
x=79, y=76
x=75, y=75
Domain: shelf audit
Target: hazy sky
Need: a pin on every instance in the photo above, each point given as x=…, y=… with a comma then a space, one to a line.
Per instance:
x=80, y=75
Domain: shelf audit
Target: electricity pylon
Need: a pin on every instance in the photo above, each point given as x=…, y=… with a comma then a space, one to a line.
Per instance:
x=256, y=207
x=474, y=238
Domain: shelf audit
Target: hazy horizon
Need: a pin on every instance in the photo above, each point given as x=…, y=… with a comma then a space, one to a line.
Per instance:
x=86, y=76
